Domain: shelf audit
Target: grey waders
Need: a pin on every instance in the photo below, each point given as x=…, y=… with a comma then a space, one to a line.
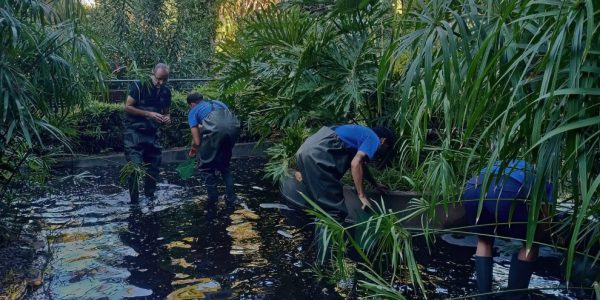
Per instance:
x=220, y=131
x=322, y=160
x=141, y=137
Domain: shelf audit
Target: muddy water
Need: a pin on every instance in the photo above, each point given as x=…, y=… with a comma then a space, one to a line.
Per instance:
x=176, y=247
x=105, y=247
x=450, y=266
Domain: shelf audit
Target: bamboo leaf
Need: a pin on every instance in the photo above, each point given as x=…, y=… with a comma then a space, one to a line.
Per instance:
x=571, y=126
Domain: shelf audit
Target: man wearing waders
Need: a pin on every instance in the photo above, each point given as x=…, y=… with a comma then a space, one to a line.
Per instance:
x=506, y=195
x=214, y=133
x=147, y=108
x=325, y=156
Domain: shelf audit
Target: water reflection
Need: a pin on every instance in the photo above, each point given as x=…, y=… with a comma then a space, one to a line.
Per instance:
x=205, y=287
x=143, y=236
x=177, y=247
x=87, y=255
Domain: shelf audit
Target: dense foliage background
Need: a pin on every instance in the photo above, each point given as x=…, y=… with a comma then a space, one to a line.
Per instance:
x=462, y=83
x=140, y=33
x=48, y=67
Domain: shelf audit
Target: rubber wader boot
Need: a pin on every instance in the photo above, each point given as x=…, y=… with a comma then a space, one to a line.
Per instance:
x=230, y=196
x=210, y=183
x=149, y=187
x=518, y=278
x=134, y=188
x=483, y=271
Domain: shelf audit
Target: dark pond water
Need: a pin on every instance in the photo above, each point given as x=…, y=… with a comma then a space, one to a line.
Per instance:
x=103, y=247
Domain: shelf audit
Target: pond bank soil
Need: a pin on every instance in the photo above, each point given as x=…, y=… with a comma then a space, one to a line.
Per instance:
x=22, y=263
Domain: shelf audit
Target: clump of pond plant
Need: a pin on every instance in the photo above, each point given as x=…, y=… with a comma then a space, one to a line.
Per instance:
x=132, y=170
x=382, y=245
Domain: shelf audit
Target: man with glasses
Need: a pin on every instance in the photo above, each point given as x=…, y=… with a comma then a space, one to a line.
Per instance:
x=147, y=108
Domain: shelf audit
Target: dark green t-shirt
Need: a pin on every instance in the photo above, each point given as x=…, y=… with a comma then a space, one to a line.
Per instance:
x=150, y=98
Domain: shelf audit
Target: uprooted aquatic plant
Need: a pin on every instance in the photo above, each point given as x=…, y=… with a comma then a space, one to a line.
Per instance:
x=379, y=240
x=376, y=286
x=132, y=170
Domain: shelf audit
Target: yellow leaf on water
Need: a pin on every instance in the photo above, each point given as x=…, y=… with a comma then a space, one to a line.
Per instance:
x=242, y=231
x=196, y=291
x=178, y=244
x=247, y=214
x=187, y=281
x=236, y=218
x=70, y=237
x=181, y=262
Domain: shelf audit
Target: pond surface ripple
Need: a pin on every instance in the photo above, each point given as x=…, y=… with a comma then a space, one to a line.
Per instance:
x=176, y=247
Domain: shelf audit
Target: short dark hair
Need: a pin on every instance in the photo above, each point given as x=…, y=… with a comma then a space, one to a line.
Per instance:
x=194, y=98
x=385, y=133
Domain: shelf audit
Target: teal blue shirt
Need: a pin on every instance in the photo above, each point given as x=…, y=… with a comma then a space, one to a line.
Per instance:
x=202, y=110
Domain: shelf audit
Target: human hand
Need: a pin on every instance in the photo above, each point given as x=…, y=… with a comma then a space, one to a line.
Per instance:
x=365, y=201
x=166, y=119
x=156, y=117
x=192, y=152
x=298, y=176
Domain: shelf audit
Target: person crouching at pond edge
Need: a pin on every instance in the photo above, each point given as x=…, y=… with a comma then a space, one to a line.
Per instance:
x=147, y=109
x=506, y=195
x=215, y=131
x=325, y=156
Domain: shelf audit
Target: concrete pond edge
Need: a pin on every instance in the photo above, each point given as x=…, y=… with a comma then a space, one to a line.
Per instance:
x=174, y=155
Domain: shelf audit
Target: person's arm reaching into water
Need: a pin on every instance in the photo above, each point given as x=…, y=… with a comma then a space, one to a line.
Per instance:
x=196, y=140
x=357, y=169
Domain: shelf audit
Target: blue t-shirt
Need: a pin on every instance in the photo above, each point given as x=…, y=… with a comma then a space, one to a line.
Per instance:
x=359, y=137
x=518, y=170
x=201, y=111
x=521, y=178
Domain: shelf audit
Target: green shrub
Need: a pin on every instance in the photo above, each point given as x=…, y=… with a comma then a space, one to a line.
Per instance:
x=394, y=179
x=98, y=127
x=211, y=90
x=177, y=134
x=281, y=154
